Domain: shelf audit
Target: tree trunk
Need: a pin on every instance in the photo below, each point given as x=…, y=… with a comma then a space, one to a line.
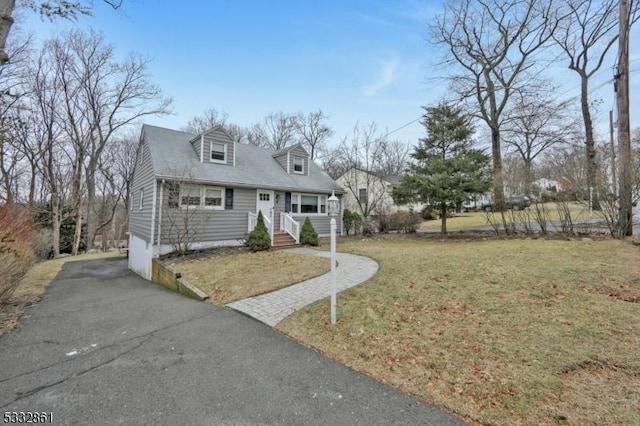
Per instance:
x=76, y=195
x=443, y=219
x=91, y=214
x=592, y=163
x=55, y=224
x=498, y=180
x=528, y=178
x=6, y=8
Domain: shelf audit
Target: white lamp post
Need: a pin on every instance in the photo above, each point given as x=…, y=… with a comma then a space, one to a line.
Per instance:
x=333, y=208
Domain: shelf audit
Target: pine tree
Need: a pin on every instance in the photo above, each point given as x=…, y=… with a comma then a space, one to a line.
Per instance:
x=308, y=234
x=447, y=169
x=259, y=238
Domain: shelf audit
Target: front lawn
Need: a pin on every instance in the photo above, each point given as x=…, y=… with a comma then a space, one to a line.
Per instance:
x=227, y=275
x=472, y=220
x=498, y=332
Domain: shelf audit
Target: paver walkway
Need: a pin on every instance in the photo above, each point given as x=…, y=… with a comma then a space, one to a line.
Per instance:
x=271, y=308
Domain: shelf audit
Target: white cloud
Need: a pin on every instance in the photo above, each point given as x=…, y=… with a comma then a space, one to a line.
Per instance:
x=386, y=76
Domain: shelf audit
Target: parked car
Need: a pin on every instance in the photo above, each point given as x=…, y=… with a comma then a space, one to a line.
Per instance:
x=514, y=202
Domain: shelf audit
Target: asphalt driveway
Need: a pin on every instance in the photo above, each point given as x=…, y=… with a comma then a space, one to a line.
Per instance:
x=107, y=347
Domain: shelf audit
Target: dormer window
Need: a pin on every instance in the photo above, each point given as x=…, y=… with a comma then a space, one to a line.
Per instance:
x=298, y=165
x=218, y=152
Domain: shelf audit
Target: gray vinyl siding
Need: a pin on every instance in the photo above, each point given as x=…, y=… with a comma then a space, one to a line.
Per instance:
x=197, y=145
x=210, y=225
x=282, y=160
x=320, y=223
x=298, y=151
x=140, y=220
x=218, y=136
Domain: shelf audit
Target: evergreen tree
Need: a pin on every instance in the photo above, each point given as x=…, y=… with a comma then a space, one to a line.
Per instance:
x=259, y=238
x=447, y=169
x=308, y=234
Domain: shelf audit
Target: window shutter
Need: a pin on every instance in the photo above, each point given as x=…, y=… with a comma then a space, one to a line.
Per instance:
x=287, y=202
x=228, y=199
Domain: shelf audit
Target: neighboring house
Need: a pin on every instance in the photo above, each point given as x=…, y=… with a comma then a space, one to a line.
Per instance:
x=553, y=185
x=200, y=191
x=367, y=192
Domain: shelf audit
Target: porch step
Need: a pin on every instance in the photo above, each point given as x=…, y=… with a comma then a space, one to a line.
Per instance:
x=283, y=240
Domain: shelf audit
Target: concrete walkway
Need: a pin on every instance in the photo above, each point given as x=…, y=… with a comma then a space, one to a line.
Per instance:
x=271, y=308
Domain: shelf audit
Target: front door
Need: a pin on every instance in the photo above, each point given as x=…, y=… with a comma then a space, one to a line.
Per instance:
x=265, y=203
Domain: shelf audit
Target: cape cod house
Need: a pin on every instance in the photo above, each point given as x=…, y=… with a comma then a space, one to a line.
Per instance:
x=199, y=191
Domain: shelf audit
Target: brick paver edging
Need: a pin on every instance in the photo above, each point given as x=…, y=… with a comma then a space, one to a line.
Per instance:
x=271, y=308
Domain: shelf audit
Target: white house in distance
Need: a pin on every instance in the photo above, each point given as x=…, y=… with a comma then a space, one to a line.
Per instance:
x=370, y=189
x=206, y=190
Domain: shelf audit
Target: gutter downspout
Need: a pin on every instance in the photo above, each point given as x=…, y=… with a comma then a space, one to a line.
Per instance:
x=159, y=238
x=153, y=223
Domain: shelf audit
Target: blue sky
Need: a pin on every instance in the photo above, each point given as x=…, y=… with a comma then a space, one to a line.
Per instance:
x=357, y=60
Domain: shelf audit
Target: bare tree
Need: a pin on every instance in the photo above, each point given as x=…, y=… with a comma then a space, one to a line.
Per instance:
x=210, y=118
x=490, y=47
x=586, y=32
x=277, y=131
x=101, y=97
x=362, y=156
x=535, y=123
x=50, y=9
x=313, y=131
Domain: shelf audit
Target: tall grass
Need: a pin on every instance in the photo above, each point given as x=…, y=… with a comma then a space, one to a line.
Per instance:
x=16, y=252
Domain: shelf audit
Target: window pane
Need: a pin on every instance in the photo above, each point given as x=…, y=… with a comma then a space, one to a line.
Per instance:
x=298, y=164
x=213, y=197
x=190, y=196
x=309, y=204
x=323, y=204
x=217, y=151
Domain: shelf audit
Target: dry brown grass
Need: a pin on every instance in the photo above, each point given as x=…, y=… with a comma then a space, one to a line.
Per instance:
x=499, y=332
x=228, y=275
x=471, y=220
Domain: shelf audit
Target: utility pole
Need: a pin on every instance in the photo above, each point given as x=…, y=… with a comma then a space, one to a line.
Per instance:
x=624, y=136
x=614, y=183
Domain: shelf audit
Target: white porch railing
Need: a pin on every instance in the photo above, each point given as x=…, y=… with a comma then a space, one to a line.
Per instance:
x=290, y=226
x=253, y=221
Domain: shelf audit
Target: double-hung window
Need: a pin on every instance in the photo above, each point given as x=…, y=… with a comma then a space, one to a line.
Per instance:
x=298, y=165
x=213, y=197
x=190, y=196
x=218, y=152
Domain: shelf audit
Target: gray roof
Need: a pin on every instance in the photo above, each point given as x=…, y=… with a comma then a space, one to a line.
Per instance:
x=172, y=156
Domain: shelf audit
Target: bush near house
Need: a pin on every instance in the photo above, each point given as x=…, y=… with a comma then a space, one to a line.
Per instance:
x=351, y=221
x=259, y=238
x=16, y=251
x=308, y=235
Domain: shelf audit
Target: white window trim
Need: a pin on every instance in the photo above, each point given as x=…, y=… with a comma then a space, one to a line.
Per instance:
x=320, y=197
x=294, y=165
x=202, y=191
x=224, y=145
x=141, y=201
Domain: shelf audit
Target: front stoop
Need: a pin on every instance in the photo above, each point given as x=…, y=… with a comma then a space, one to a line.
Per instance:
x=282, y=240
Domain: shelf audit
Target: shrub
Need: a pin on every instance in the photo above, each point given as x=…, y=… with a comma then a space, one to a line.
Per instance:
x=16, y=253
x=429, y=213
x=407, y=221
x=259, y=239
x=308, y=235
x=351, y=221
x=384, y=220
